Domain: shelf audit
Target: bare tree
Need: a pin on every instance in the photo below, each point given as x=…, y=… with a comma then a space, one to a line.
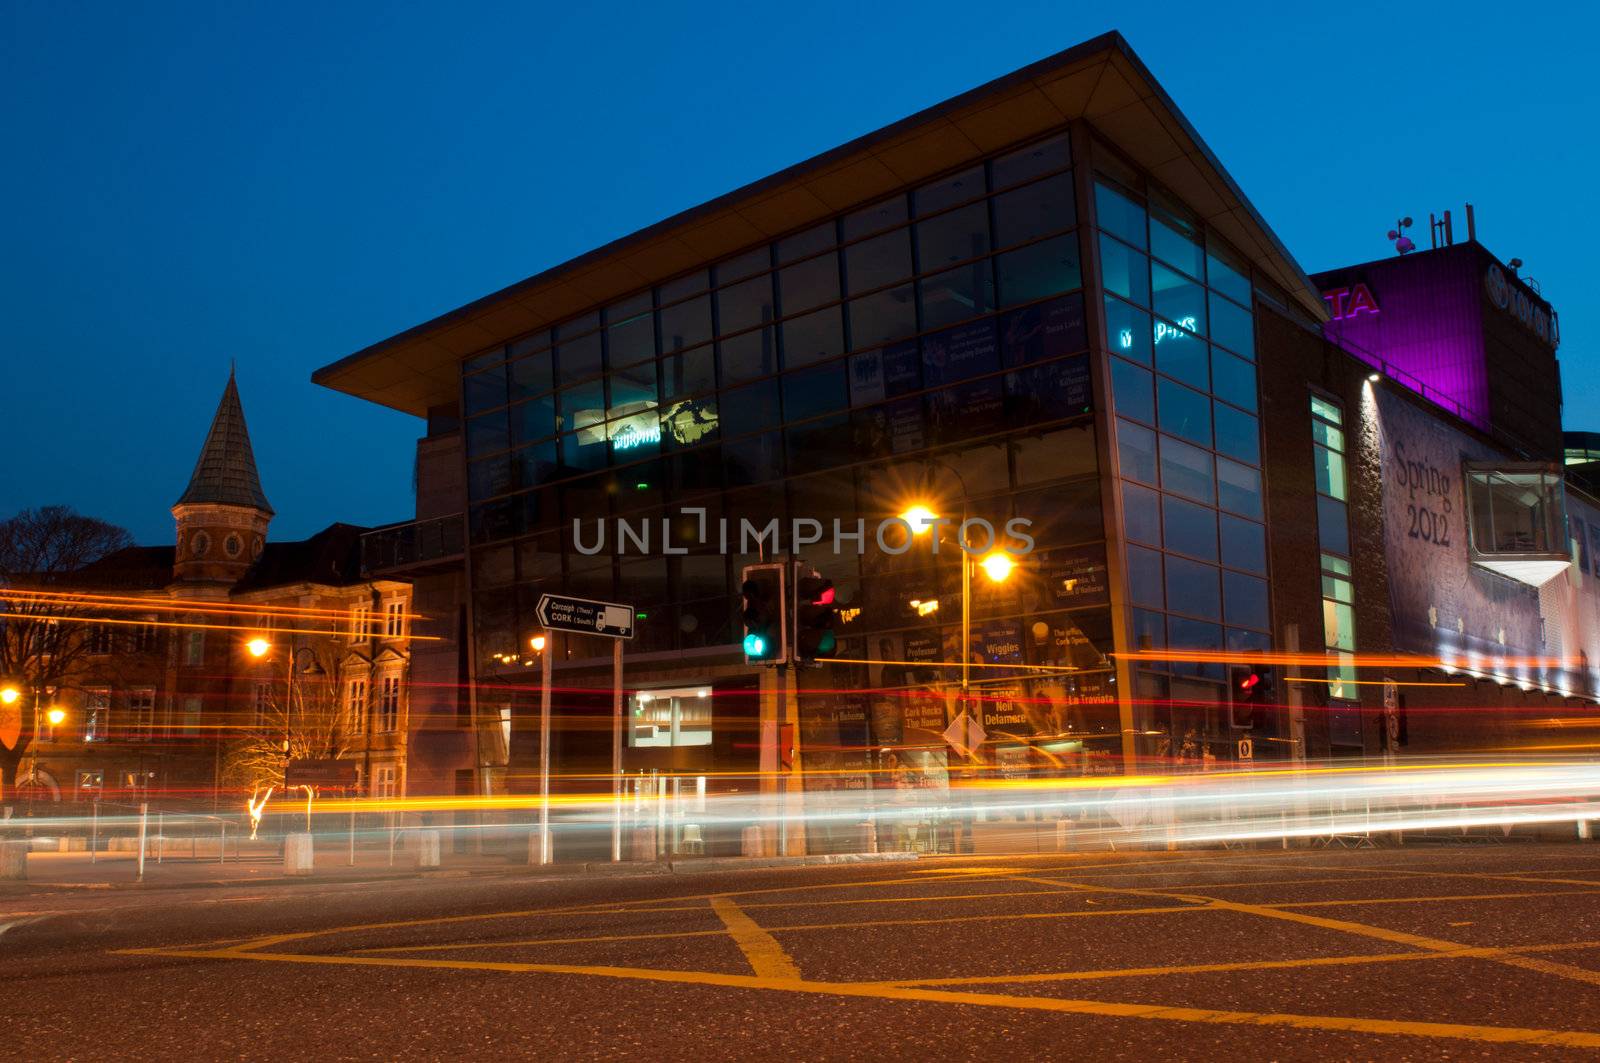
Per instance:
x=307, y=721
x=43, y=639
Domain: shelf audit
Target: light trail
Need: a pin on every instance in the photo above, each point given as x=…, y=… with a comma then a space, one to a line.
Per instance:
x=194, y=625
x=124, y=601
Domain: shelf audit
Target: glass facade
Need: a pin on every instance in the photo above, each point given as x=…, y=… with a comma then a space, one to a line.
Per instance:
x=930, y=349
x=932, y=345
x=1180, y=341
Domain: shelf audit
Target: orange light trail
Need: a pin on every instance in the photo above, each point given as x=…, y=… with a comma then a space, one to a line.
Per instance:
x=122, y=601
x=249, y=628
x=1369, y=682
x=1369, y=660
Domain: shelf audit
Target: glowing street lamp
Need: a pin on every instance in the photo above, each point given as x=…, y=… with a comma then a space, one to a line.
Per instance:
x=920, y=518
x=537, y=642
x=997, y=566
x=9, y=695
x=258, y=647
x=55, y=714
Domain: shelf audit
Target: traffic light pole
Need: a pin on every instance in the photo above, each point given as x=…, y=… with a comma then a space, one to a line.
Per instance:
x=545, y=850
x=616, y=750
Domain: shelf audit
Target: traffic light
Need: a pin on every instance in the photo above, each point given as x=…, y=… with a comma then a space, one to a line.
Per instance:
x=1249, y=690
x=814, y=617
x=765, y=632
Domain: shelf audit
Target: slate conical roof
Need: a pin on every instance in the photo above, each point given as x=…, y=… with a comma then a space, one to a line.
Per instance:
x=226, y=472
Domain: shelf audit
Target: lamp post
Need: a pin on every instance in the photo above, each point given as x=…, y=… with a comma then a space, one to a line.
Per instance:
x=997, y=565
x=259, y=647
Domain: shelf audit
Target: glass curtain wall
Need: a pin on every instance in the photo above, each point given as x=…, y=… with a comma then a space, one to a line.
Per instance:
x=1181, y=354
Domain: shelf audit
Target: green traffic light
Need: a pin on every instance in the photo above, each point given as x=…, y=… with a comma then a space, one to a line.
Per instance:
x=755, y=645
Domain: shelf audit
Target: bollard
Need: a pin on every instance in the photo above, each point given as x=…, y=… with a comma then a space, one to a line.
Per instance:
x=869, y=835
x=427, y=845
x=1584, y=834
x=144, y=826
x=297, y=853
x=1064, y=835
x=222, y=844
x=750, y=842
x=643, y=844
x=14, y=859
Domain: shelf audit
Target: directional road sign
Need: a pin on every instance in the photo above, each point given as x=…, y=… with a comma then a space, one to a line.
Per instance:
x=965, y=733
x=561, y=613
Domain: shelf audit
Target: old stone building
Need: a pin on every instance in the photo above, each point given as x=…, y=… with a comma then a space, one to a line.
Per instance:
x=214, y=660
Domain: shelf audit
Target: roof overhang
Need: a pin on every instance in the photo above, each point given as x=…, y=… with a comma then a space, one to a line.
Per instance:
x=1101, y=80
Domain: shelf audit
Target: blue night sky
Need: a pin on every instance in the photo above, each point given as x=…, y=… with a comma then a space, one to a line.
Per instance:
x=282, y=184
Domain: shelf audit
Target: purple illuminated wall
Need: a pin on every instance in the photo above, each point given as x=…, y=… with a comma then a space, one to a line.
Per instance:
x=1427, y=330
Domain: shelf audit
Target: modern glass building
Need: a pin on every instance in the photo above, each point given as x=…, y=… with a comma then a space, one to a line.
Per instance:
x=1038, y=301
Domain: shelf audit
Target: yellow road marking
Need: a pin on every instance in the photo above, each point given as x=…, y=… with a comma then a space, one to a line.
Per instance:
x=1529, y=963
x=1244, y=965
x=790, y=928
x=766, y=956
x=1103, y=1009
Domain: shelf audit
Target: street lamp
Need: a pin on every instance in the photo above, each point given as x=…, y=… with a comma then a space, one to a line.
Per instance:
x=9, y=695
x=998, y=566
x=55, y=715
x=258, y=647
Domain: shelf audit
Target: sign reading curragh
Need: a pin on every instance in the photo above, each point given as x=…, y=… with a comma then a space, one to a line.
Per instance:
x=586, y=617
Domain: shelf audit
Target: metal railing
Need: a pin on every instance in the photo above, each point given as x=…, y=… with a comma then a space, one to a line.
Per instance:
x=415, y=542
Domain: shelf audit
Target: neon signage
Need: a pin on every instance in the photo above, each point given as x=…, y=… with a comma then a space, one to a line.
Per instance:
x=1346, y=303
x=1185, y=327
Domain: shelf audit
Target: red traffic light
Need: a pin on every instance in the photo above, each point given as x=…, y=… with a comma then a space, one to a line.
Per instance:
x=1249, y=682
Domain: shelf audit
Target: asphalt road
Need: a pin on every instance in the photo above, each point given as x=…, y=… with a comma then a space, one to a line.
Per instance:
x=1470, y=951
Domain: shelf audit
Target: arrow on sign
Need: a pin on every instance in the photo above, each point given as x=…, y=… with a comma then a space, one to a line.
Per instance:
x=584, y=615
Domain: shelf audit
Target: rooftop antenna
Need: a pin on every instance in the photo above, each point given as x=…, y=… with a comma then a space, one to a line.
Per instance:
x=1515, y=265
x=1402, y=242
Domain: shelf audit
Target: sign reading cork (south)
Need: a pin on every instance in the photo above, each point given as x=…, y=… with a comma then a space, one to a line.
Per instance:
x=561, y=613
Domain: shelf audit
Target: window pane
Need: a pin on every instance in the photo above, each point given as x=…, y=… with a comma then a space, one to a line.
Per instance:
x=1039, y=270
x=1186, y=470
x=1149, y=630
x=683, y=287
x=813, y=338
x=1181, y=355
x=1233, y=379
x=1116, y=213
x=882, y=316
x=688, y=372
x=957, y=294
x=1232, y=326
x=1032, y=211
x=1031, y=161
x=534, y=375
x=1244, y=543
x=755, y=460
x=487, y=434
x=1239, y=488
x=1329, y=436
x=578, y=359
x=876, y=218
x=1128, y=330
x=1173, y=239
x=878, y=261
x=1189, y=529
x=749, y=355
x=805, y=244
x=814, y=392
x=630, y=339
x=756, y=260
x=1246, y=600
x=1339, y=626
x=1193, y=588
x=535, y=419
x=1227, y=272
x=948, y=191
x=686, y=324
x=1131, y=391
x=1333, y=528
x=745, y=305
x=1141, y=514
x=1136, y=451
x=1321, y=407
x=808, y=284
x=1329, y=467
x=1144, y=577
x=749, y=409
x=1178, y=299
x=1184, y=412
x=953, y=237
x=1124, y=271
x=484, y=391
x=1238, y=435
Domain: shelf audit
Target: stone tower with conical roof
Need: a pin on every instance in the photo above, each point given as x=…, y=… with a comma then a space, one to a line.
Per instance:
x=223, y=515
